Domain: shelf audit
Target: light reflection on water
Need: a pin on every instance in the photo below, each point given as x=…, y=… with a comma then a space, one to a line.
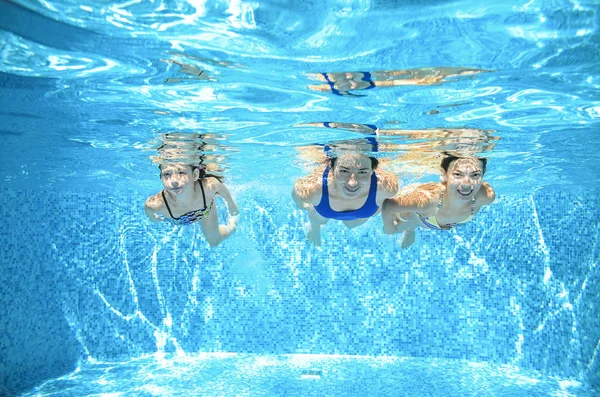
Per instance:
x=242, y=70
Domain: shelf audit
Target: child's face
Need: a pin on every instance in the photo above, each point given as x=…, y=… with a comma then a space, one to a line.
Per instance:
x=464, y=178
x=176, y=178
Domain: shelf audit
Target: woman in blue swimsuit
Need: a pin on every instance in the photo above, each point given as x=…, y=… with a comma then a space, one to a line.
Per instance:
x=342, y=83
x=188, y=197
x=439, y=206
x=348, y=189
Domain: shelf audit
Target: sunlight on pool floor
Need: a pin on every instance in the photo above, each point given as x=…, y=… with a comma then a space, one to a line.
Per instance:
x=230, y=374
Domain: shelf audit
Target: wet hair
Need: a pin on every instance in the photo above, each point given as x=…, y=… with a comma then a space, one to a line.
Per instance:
x=449, y=158
x=200, y=168
x=374, y=162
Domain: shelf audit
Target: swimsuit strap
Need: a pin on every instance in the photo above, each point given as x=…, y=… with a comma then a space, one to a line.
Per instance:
x=203, y=195
x=441, y=200
x=335, y=90
x=325, y=189
x=367, y=78
x=331, y=84
x=374, y=144
x=167, y=203
x=169, y=208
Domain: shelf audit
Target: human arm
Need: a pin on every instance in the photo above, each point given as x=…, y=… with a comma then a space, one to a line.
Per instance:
x=320, y=87
x=425, y=80
x=151, y=208
x=486, y=194
x=387, y=185
x=412, y=199
x=222, y=191
x=306, y=191
x=389, y=209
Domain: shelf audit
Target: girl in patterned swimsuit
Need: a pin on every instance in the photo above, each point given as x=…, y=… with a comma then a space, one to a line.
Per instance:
x=188, y=197
x=440, y=206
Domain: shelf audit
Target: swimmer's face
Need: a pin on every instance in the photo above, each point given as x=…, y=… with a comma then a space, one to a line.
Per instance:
x=352, y=175
x=464, y=178
x=178, y=178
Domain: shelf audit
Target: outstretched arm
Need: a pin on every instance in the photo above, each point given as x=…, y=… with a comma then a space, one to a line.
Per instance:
x=388, y=215
x=224, y=192
x=387, y=186
x=488, y=195
x=304, y=191
x=415, y=199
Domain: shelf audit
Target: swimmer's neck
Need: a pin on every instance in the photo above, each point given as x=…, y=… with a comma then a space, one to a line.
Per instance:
x=454, y=204
x=185, y=198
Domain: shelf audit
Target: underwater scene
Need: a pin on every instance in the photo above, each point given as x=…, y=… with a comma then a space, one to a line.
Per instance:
x=299, y=198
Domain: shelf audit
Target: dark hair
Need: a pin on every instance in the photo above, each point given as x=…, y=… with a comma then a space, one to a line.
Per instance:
x=449, y=158
x=374, y=162
x=203, y=173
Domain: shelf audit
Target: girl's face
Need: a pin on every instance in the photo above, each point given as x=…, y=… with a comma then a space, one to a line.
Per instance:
x=352, y=174
x=464, y=178
x=177, y=178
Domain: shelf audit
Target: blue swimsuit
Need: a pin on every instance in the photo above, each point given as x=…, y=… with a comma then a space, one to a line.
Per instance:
x=366, y=211
x=366, y=78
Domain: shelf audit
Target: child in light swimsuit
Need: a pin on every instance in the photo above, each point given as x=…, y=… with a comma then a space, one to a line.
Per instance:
x=439, y=206
x=185, y=187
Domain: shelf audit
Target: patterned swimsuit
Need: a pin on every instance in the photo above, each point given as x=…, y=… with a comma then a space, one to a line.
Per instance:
x=192, y=216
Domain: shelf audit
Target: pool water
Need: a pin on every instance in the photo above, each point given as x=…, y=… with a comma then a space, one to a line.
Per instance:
x=96, y=300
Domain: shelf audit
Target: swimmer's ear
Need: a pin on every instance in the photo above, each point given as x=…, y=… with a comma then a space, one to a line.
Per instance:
x=196, y=174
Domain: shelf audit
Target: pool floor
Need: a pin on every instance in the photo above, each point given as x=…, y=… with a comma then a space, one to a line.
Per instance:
x=230, y=374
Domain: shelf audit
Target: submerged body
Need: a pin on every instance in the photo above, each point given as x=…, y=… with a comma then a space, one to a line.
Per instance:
x=348, y=189
x=440, y=206
x=189, y=198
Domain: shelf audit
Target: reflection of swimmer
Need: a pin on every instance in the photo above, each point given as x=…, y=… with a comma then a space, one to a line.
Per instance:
x=205, y=60
x=355, y=127
x=189, y=148
x=347, y=189
x=189, y=69
x=188, y=197
x=440, y=206
x=197, y=73
x=420, y=149
x=342, y=83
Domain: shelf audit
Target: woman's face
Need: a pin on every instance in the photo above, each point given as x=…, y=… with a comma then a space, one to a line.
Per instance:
x=352, y=174
x=464, y=178
x=177, y=178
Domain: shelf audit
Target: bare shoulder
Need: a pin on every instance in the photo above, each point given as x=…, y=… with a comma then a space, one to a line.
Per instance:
x=155, y=202
x=387, y=183
x=419, y=197
x=309, y=186
x=211, y=183
x=486, y=194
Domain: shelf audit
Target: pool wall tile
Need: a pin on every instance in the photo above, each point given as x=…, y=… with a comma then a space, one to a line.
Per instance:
x=85, y=275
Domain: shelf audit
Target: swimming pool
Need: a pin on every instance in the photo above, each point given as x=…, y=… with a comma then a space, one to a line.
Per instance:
x=95, y=300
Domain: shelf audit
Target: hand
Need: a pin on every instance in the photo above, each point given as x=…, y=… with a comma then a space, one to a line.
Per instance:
x=158, y=218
